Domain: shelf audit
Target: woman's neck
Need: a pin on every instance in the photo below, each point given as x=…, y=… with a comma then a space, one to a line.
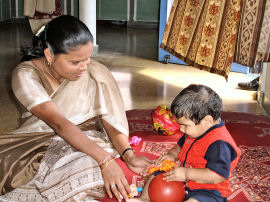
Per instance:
x=48, y=73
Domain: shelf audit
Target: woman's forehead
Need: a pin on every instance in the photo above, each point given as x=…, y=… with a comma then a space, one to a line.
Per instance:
x=81, y=52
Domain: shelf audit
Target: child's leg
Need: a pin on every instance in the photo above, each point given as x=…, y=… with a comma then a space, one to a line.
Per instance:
x=204, y=195
x=191, y=200
x=144, y=194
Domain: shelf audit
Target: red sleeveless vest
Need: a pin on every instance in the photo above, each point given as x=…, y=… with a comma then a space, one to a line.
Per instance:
x=195, y=150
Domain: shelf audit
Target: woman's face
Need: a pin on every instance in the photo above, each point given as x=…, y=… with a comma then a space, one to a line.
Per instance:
x=71, y=66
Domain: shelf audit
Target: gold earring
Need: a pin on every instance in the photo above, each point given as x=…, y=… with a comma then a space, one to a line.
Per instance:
x=49, y=64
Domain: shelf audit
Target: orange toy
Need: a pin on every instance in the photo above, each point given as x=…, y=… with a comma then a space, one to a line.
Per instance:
x=166, y=165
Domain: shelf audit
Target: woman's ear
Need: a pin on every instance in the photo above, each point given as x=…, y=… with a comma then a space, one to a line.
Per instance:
x=48, y=55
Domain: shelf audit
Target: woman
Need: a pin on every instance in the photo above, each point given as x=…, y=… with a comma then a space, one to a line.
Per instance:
x=73, y=105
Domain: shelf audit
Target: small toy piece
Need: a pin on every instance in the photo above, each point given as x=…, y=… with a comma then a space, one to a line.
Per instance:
x=161, y=191
x=135, y=140
x=163, y=121
x=134, y=191
x=166, y=165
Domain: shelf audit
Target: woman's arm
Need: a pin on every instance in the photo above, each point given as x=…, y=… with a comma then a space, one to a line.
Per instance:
x=137, y=164
x=119, y=141
x=111, y=172
x=50, y=113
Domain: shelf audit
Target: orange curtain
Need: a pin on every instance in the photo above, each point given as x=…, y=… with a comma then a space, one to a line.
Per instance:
x=202, y=33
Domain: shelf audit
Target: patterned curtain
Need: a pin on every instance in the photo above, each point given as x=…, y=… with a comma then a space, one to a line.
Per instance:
x=253, y=42
x=202, y=33
x=263, y=52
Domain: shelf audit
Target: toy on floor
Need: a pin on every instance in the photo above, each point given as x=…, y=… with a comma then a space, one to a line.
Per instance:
x=135, y=140
x=161, y=191
x=166, y=165
x=134, y=191
x=163, y=121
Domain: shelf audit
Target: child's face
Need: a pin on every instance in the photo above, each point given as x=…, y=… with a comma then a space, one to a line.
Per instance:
x=190, y=128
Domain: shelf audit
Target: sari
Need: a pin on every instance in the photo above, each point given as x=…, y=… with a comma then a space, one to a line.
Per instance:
x=41, y=166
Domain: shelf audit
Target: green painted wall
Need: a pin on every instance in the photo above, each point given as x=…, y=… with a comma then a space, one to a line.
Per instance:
x=147, y=10
x=142, y=10
x=112, y=10
x=20, y=8
x=5, y=11
x=76, y=8
x=8, y=9
x=69, y=5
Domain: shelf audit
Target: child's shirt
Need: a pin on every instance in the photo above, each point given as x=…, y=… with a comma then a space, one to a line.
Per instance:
x=216, y=150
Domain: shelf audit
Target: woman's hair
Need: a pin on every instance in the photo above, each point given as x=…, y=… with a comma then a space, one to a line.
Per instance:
x=195, y=102
x=60, y=35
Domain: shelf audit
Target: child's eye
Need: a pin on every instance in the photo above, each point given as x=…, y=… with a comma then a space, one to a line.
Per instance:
x=75, y=63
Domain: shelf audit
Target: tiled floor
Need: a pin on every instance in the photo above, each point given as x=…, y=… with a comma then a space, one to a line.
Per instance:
x=131, y=54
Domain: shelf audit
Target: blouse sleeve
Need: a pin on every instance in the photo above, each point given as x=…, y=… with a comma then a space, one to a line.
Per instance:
x=28, y=88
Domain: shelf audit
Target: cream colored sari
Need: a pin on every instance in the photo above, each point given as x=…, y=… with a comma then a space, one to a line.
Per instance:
x=41, y=166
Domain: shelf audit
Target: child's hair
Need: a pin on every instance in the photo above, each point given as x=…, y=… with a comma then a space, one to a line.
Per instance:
x=195, y=102
x=60, y=35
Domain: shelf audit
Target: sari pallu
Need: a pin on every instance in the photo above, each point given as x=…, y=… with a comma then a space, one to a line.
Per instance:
x=95, y=95
x=202, y=33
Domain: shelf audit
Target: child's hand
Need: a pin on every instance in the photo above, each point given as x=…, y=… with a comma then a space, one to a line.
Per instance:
x=167, y=156
x=177, y=174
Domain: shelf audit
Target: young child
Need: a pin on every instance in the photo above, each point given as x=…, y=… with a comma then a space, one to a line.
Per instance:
x=207, y=151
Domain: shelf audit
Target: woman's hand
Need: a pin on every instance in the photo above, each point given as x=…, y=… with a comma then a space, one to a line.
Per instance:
x=139, y=164
x=115, y=181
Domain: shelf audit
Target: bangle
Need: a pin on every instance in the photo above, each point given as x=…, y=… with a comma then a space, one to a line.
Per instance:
x=125, y=152
x=104, y=165
x=186, y=174
x=107, y=158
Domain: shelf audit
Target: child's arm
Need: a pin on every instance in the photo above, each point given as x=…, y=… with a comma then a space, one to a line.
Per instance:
x=171, y=155
x=203, y=175
x=174, y=151
x=200, y=175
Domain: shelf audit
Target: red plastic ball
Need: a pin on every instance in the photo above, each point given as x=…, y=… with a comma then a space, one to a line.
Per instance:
x=162, y=191
x=163, y=121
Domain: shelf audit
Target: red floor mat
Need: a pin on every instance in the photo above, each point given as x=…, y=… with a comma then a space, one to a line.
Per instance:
x=250, y=181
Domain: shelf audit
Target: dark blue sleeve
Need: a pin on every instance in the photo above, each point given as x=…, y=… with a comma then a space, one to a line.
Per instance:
x=219, y=156
x=181, y=141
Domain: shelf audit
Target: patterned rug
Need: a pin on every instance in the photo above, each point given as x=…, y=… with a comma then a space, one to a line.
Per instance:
x=250, y=180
